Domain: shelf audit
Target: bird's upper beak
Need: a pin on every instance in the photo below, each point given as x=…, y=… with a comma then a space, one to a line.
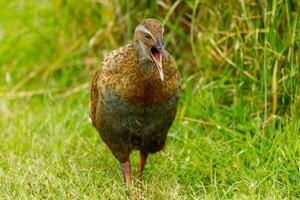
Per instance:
x=157, y=53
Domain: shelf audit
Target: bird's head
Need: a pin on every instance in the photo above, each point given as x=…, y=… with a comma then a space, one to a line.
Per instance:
x=148, y=36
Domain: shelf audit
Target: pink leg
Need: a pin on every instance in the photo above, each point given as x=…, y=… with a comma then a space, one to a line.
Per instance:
x=143, y=159
x=126, y=169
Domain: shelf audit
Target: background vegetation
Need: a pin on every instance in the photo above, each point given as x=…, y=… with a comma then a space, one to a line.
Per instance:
x=237, y=130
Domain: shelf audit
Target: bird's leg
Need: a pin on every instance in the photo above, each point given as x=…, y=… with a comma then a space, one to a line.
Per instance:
x=143, y=158
x=126, y=169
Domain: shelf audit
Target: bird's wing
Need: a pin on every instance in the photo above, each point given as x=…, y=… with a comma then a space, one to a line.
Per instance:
x=112, y=66
x=94, y=98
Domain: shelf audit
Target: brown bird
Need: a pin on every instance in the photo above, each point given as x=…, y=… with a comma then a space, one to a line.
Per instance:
x=134, y=96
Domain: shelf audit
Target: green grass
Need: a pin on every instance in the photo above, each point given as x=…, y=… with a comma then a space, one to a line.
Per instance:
x=236, y=135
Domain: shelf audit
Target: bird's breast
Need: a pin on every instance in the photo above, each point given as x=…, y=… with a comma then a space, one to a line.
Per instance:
x=131, y=82
x=123, y=115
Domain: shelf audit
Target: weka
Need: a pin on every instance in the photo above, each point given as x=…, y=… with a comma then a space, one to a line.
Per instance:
x=134, y=96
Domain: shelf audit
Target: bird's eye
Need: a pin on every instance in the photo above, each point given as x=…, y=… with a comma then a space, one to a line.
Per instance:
x=147, y=35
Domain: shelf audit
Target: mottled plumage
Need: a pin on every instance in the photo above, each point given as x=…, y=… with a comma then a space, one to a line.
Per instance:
x=133, y=101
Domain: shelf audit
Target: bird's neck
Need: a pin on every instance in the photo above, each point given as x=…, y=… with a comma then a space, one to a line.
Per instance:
x=143, y=57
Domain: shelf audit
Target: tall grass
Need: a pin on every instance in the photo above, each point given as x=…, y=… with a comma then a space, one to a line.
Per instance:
x=236, y=133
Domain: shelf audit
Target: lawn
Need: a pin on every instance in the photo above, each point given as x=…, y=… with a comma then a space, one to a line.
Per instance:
x=236, y=134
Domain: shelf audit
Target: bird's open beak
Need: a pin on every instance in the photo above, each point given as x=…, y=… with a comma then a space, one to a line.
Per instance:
x=156, y=54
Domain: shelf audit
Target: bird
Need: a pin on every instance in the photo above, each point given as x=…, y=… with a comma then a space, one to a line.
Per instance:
x=134, y=97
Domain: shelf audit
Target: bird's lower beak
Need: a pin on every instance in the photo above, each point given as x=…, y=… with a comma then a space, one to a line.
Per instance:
x=156, y=54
